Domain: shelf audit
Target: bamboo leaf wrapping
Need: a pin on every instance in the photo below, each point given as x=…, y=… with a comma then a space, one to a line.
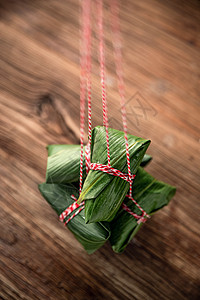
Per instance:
x=63, y=164
x=152, y=195
x=91, y=236
x=103, y=193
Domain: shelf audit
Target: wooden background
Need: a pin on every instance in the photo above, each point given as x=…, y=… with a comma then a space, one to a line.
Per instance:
x=39, y=104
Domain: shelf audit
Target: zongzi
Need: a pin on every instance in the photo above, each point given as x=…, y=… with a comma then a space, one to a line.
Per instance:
x=103, y=193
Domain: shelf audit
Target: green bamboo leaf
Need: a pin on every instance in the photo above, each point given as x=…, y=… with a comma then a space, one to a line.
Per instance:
x=146, y=160
x=103, y=193
x=152, y=195
x=91, y=236
x=63, y=164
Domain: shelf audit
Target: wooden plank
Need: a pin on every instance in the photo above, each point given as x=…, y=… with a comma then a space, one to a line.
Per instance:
x=39, y=105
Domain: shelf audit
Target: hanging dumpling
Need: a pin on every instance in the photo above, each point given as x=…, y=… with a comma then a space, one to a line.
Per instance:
x=108, y=191
x=103, y=193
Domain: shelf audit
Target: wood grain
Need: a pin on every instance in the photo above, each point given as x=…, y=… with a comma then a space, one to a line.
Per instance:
x=39, y=105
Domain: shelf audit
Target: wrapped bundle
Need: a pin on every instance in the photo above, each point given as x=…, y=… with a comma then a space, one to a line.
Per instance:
x=104, y=193
x=149, y=193
x=91, y=236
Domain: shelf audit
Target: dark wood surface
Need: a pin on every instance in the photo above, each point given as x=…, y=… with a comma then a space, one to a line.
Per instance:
x=39, y=105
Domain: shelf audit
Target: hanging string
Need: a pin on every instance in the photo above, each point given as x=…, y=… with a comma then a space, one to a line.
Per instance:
x=121, y=87
x=102, y=72
x=85, y=80
x=118, y=64
x=89, y=82
x=85, y=64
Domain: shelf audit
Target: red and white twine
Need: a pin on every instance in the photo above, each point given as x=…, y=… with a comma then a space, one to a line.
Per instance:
x=102, y=73
x=85, y=80
x=111, y=171
x=70, y=209
x=121, y=88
